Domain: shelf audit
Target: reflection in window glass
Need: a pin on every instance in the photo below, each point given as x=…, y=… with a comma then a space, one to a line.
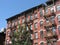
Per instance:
x=35, y=15
x=41, y=23
x=46, y=10
x=42, y=43
x=36, y=35
x=41, y=34
x=41, y=13
x=58, y=7
x=35, y=25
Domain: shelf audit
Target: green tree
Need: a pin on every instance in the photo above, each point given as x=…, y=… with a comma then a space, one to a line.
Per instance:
x=22, y=36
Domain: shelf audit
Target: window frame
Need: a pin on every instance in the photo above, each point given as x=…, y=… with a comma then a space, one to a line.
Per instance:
x=23, y=20
x=41, y=23
x=36, y=35
x=41, y=13
x=42, y=43
x=58, y=7
x=42, y=35
x=35, y=15
x=35, y=25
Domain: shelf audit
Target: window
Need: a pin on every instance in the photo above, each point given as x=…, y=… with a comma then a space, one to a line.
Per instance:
x=41, y=13
x=36, y=43
x=35, y=16
x=46, y=10
x=41, y=23
x=22, y=30
x=31, y=36
x=48, y=43
x=35, y=25
x=8, y=33
x=47, y=28
x=47, y=20
x=59, y=18
x=27, y=19
x=13, y=23
x=42, y=43
x=54, y=43
x=53, y=29
x=13, y=31
x=36, y=35
x=27, y=28
x=52, y=9
x=52, y=18
x=31, y=17
x=41, y=34
x=59, y=29
x=9, y=25
x=18, y=21
x=31, y=27
x=58, y=7
x=23, y=20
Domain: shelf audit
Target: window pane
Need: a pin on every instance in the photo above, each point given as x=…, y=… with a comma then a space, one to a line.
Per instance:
x=31, y=17
x=27, y=19
x=27, y=28
x=31, y=27
x=36, y=43
x=23, y=20
x=48, y=43
x=36, y=35
x=54, y=43
x=58, y=7
x=52, y=17
x=59, y=29
x=52, y=9
x=42, y=43
x=53, y=29
x=35, y=25
x=35, y=15
x=58, y=16
x=41, y=13
x=41, y=34
x=47, y=20
x=31, y=36
x=46, y=10
x=41, y=23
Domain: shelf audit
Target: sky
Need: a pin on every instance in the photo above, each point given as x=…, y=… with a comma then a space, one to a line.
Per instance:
x=9, y=8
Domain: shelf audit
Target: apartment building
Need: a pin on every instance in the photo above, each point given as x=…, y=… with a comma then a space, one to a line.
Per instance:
x=44, y=22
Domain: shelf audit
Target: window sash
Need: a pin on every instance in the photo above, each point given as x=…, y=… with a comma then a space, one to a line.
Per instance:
x=31, y=17
x=58, y=17
x=35, y=25
x=42, y=43
x=46, y=10
x=58, y=7
x=35, y=15
x=41, y=23
x=41, y=13
x=23, y=20
x=41, y=34
x=36, y=35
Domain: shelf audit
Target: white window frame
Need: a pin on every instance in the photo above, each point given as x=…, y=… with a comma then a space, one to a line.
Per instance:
x=58, y=7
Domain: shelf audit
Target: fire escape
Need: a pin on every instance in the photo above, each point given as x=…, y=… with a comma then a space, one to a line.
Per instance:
x=50, y=27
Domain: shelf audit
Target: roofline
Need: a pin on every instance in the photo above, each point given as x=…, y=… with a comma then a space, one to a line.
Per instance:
x=41, y=5
x=25, y=11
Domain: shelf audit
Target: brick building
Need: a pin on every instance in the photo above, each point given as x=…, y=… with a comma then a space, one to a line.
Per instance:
x=44, y=21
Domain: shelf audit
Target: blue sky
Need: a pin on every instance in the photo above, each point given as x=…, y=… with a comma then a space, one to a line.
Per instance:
x=10, y=8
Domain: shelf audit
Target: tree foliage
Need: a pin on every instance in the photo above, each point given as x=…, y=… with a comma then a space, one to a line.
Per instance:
x=21, y=37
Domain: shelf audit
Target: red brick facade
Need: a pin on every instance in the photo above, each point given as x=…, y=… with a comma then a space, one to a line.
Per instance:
x=41, y=24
